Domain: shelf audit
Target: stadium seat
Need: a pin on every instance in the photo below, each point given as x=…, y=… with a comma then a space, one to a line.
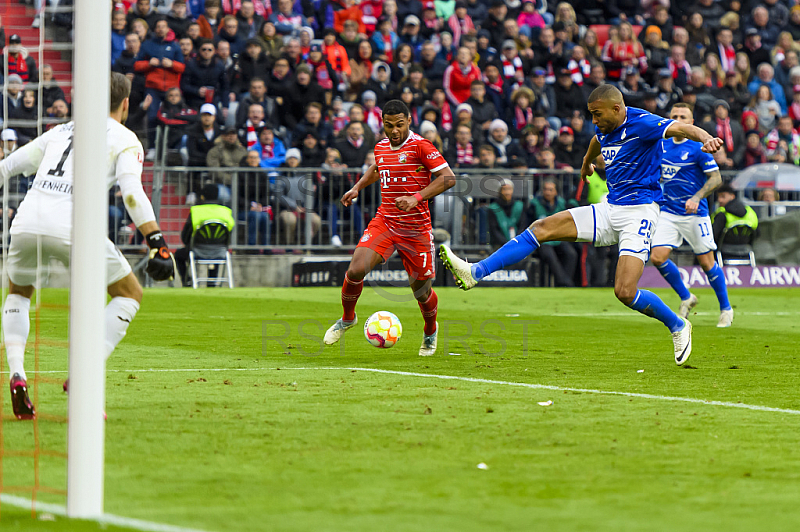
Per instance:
x=738, y=254
x=210, y=247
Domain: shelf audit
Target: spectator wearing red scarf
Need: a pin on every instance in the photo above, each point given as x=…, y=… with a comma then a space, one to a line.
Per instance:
x=19, y=62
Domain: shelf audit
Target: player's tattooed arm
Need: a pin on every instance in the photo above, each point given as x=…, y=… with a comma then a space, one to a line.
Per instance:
x=369, y=177
x=687, y=131
x=588, y=160
x=714, y=180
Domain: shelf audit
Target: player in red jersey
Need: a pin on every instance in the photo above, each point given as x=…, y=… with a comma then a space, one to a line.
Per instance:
x=404, y=164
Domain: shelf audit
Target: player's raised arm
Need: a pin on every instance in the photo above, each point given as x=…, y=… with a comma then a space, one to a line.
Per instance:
x=592, y=152
x=687, y=131
x=369, y=177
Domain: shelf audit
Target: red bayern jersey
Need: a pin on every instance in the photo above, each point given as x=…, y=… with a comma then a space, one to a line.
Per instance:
x=404, y=171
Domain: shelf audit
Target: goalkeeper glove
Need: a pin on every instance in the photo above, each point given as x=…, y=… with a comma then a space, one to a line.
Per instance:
x=161, y=266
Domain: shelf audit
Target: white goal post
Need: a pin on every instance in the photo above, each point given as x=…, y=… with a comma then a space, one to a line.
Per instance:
x=87, y=297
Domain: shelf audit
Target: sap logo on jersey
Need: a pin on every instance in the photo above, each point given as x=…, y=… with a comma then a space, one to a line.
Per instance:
x=669, y=171
x=610, y=153
x=434, y=155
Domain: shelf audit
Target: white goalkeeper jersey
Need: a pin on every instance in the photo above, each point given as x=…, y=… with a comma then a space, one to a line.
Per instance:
x=47, y=207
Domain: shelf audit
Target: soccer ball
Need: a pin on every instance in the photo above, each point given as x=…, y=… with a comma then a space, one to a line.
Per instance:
x=383, y=329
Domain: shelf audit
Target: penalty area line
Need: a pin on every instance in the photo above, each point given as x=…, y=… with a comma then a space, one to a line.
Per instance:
x=105, y=519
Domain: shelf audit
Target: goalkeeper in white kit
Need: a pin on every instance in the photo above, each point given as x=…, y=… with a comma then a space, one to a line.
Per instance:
x=42, y=229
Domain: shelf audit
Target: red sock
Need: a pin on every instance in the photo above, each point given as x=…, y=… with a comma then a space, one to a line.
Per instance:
x=428, y=309
x=350, y=292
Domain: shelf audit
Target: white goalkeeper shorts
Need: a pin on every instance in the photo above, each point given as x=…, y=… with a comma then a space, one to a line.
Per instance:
x=28, y=250
x=674, y=229
x=630, y=226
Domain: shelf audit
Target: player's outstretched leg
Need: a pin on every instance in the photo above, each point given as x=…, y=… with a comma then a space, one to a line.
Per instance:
x=16, y=327
x=364, y=260
x=629, y=270
x=668, y=270
x=560, y=226
x=428, y=304
x=716, y=278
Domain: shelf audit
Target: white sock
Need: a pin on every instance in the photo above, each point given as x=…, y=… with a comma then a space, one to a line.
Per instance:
x=16, y=327
x=119, y=314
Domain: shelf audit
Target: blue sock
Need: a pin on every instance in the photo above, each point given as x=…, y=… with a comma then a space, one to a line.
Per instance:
x=670, y=272
x=651, y=305
x=716, y=278
x=512, y=252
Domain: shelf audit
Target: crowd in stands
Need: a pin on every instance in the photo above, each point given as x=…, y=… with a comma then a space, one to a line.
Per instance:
x=492, y=83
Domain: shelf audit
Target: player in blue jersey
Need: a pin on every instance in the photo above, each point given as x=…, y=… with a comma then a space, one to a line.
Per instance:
x=629, y=141
x=688, y=177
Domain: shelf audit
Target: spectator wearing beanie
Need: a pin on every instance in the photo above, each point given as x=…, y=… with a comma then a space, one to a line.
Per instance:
x=313, y=154
x=499, y=139
x=459, y=76
x=303, y=90
x=322, y=72
x=730, y=132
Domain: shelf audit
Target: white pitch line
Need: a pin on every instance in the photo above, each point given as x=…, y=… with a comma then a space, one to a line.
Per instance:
x=745, y=406
x=106, y=519
x=623, y=314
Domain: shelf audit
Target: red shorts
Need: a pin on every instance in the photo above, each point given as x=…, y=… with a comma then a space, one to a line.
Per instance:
x=415, y=249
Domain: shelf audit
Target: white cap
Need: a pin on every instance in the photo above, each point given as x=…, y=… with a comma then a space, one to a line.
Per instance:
x=9, y=134
x=208, y=108
x=293, y=152
x=412, y=20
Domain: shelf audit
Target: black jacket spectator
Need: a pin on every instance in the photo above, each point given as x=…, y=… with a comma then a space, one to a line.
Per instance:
x=178, y=117
x=568, y=100
x=434, y=70
x=383, y=91
x=353, y=155
x=496, y=30
x=248, y=68
x=24, y=133
x=250, y=29
x=322, y=130
x=631, y=8
x=572, y=157
x=200, y=73
x=295, y=100
x=477, y=11
x=198, y=144
x=739, y=142
x=236, y=41
x=484, y=111
x=150, y=17
x=178, y=25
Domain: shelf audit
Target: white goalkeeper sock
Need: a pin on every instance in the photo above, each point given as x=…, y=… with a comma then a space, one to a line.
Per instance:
x=119, y=314
x=16, y=327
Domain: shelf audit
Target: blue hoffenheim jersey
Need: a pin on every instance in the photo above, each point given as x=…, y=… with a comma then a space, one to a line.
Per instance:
x=683, y=173
x=633, y=157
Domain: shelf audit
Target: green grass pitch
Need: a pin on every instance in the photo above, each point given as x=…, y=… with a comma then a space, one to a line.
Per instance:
x=327, y=448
